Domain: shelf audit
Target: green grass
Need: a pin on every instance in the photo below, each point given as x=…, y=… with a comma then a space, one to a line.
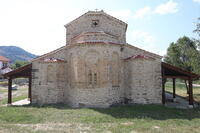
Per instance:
x=181, y=90
x=121, y=119
x=19, y=94
x=14, y=99
x=4, y=83
x=3, y=91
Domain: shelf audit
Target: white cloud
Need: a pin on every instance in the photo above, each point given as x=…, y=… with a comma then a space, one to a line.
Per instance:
x=141, y=13
x=198, y=1
x=166, y=8
x=162, y=52
x=37, y=26
x=162, y=9
x=123, y=15
x=144, y=39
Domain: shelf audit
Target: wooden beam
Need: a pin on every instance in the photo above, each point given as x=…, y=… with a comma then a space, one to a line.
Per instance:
x=190, y=92
x=178, y=69
x=29, y=88
x=174, y=88
x=9, y=90
x=22, y=71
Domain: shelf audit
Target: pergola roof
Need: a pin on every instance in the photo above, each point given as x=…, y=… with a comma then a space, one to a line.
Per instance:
x=177, y=72
x=24, y=71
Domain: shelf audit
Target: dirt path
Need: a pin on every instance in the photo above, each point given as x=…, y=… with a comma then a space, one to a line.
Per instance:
x=21, y=102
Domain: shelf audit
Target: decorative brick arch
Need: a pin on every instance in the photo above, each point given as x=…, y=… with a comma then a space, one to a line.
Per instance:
x=50, y=73
x=92, y=68
x=61, y=73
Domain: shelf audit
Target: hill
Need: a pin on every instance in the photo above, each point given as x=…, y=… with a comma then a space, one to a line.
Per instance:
x=15, y=53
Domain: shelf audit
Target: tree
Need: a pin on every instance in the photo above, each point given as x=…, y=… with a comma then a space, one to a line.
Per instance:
x=197, y=30
x=184, y=54
x=18, y=64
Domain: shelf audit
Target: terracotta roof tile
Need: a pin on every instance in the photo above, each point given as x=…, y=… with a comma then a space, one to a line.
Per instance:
x=139, y=56
x=2, y=58
x=51, y=60
x=47, y=54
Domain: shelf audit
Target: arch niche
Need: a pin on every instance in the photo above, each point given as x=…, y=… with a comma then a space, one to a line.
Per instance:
x=115, y=69
x=91, y=68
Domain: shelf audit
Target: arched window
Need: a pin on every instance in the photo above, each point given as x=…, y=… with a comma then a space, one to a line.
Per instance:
x=90, y=77
x=91, y=63
x=95, y=78
x=61, y=72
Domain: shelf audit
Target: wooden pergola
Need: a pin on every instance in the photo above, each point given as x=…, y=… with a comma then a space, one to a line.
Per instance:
x=170, y=71
x=22, y=72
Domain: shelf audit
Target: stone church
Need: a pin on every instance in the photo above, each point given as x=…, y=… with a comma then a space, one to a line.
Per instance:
x=97, y=67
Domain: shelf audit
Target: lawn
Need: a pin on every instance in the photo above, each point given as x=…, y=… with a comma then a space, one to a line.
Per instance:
x=14, y=99
x=118, y=119
x=121, y=119
x=182, y=91
x=19, y=94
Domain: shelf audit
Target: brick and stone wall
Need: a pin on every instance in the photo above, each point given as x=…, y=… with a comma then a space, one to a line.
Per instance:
x=48, y=81
x=104, y=22
x=95, y=37
x=90, y=76
x=94, y=72
x=143, y=81
x=116, y=80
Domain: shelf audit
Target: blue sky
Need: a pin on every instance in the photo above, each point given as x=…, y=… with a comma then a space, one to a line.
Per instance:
x=38, y=25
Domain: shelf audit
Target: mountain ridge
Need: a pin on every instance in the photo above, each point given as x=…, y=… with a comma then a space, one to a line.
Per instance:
x=16, y=53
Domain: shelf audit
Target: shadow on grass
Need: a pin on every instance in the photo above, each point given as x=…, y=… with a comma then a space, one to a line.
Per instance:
x=151, y=111
x=156, y=112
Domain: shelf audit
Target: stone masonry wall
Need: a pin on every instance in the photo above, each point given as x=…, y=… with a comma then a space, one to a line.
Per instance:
x=94, y=72
x=104, y=22
x=95, y=37
x=48, y=80
x=116, y=80
x=86, y=59
x=144, y=81
x=74, y=87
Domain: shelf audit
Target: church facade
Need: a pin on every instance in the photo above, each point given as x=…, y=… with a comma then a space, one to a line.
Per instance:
x=96, y=67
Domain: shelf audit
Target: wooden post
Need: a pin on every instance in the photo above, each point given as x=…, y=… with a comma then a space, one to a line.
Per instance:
x=174, y=88
x=163, y=85
x=9, y=90
x=190, y=92
x=29, y=88
x=163, y=90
